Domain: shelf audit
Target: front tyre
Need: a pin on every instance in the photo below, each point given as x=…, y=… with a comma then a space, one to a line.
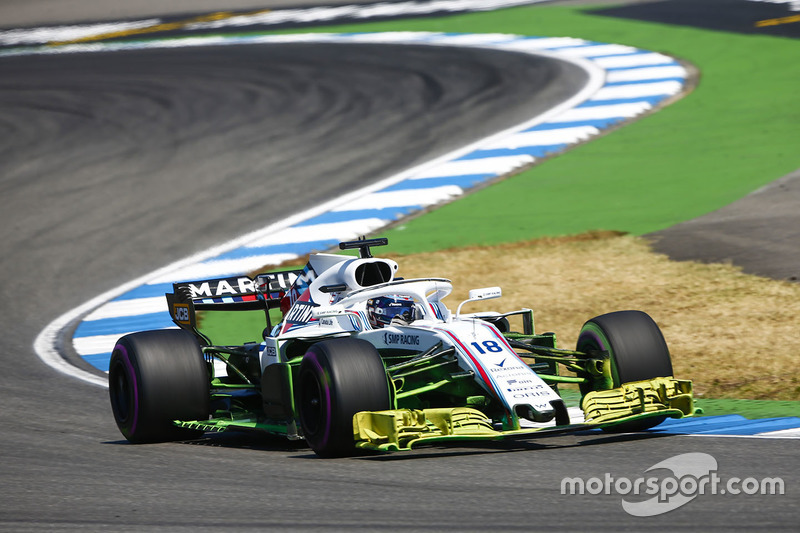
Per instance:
x=637, y=351
x=339, y=378
x=156, y=377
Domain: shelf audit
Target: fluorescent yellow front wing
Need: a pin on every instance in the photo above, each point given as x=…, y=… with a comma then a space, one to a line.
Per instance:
x=663, y=396
x=402, y=429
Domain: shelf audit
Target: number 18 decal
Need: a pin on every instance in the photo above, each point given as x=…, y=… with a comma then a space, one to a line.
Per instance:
x=487, y=346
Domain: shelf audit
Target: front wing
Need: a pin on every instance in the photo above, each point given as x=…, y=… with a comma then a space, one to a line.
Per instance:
x=403, y=429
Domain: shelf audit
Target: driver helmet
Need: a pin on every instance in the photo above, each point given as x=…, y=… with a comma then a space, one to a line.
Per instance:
x=385, y=310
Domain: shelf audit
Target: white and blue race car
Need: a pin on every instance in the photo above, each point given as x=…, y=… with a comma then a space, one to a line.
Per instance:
x=355, y=358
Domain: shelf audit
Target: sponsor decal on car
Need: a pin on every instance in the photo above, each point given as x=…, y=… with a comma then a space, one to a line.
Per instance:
x=400, y=338
x=300, y=313
x=222, y=287
x=181, y=314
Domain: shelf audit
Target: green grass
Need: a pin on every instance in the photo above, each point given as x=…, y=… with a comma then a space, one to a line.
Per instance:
x=736, y=132
x=232, y=327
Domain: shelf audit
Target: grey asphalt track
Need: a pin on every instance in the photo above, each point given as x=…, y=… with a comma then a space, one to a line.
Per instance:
x=111, y=166
x=23, y=13
x=759, y=233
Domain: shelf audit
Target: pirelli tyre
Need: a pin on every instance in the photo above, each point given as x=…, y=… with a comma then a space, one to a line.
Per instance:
x=154, y=378
x=339, y=378
x=637, y=350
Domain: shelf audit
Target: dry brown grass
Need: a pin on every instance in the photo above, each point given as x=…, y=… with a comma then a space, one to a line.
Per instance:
x=735, y=335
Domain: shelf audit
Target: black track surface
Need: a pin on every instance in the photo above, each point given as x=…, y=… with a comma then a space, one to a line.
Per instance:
x=759, y=233
x=145, y=157
x=28, y=13
x=758, y=17
x=111, y=166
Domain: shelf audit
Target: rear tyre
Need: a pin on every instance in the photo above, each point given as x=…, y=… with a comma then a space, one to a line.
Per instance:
x=637, y=350
x=156, y=377
x=339, y=378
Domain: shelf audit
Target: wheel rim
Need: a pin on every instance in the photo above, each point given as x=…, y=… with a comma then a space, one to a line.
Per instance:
x=122, y=397
x=311, y=407
x=596, y=340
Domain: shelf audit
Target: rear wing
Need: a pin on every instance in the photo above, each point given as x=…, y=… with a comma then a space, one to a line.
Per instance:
x=228, y=294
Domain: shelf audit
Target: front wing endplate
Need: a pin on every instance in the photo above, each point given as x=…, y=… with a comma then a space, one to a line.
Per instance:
x=660, y=396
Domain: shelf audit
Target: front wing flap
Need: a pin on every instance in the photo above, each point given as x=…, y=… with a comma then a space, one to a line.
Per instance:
x=403, y=429
x=219, y=425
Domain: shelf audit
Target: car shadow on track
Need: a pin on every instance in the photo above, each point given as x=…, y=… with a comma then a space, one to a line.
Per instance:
x=591, y=438
x=268, y=443
x=244, y=441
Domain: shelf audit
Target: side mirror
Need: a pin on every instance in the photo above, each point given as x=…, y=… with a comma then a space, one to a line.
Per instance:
x=487, y=293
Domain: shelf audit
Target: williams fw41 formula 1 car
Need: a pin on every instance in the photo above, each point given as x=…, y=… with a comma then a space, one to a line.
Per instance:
x=354, y=358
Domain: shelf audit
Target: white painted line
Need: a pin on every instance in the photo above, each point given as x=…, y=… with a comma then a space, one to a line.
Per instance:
x=646, y=73
x=132, y=307
x=723, y=436
x=99, y=343
x=320, y=232
x=635, y=60
x=605, y=111
x=467, y=167
x=96, y=343
x=225, y=267
x=543, y=43
x=475, y=39
x=545, y=137
x=403, y=198
x=390, y=37
x=45, y=34
x=636, y=90
x=598, y=50
x=289, y=38
x=793, y=433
